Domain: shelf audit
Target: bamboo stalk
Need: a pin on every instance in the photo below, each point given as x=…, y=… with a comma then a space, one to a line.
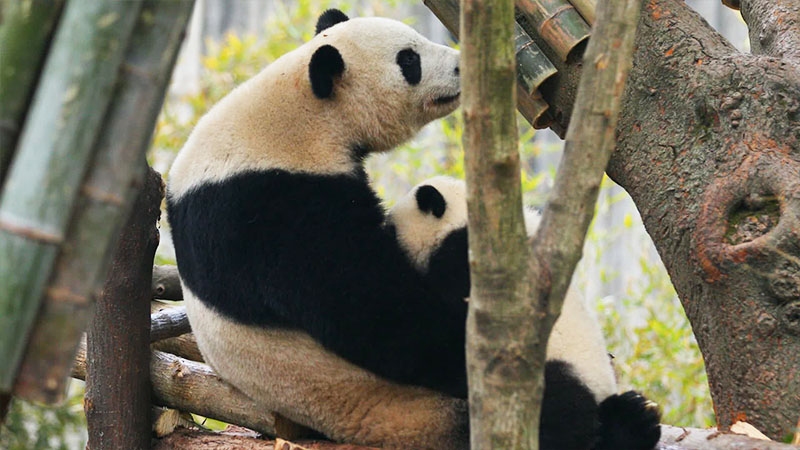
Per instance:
x=25, y=32
x=533, y=67
x=587, y=9
x=53, y=153
x=105, y=198
x=193, y=387
x=556, y=21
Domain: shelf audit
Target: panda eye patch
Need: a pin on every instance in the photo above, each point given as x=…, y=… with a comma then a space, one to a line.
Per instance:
x=409, y=63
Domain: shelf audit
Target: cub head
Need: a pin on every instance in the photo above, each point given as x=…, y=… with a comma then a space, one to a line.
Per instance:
x=424, y=217
x=381, y=77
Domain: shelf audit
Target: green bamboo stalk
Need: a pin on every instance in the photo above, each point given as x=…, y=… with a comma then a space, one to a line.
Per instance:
x=54, y=151
x=533, y=67
x=106, y=198
x=556, y=21
x=25, y=32
x=587, y=8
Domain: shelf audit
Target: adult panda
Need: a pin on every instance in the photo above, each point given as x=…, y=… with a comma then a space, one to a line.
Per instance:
x=581, y=408
x=297, y=294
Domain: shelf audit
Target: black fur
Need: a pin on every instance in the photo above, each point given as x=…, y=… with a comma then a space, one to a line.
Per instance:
x=628, y=421
x=330, y=18
x=410, y=65
x=448, y=267
x=309, y=252
x=569, y=419
x=430, y=200
x=326, y=64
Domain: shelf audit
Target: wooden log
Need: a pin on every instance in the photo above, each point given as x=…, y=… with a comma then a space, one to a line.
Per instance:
x=167, y=283
x=105, y=199
x=169, y=323
x=194, y=387
x=183, y=439
x=117, y=401
x=25, y=32
x=53, y=153
x=184, y=346
x=556, y=21
x=679, y=438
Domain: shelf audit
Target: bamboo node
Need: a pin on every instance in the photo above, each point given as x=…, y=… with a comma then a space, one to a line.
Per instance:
x=102, y=196
x=8, y=225
x=64, y=295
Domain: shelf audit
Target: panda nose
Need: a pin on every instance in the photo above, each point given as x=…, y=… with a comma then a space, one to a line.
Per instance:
x=457, y=71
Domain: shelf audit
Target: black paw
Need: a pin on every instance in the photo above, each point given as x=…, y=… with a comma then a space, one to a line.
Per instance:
x=629, y=421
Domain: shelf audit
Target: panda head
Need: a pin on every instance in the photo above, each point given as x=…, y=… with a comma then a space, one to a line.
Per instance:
x=381, y=77
x=425, y=216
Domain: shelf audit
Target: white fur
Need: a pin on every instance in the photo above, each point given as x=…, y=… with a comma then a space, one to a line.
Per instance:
x=274, y=120
x=289, y=373
x=420, y=233
x=576, y=336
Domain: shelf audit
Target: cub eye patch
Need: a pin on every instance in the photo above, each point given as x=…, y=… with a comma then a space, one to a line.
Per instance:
x=409, y=63
x=430, y=200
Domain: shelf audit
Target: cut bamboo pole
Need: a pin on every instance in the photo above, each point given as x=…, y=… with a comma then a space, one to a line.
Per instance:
x=587, y=9
x=556, y=21
x=105, y=198
x=53, y=153
x=193, y=387
x=25, y=32
x=533, y=67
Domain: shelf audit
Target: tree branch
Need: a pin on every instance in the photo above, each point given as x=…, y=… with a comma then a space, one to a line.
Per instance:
x=167, y=283
x=191, y=386
x=169, y=323
x=774, y=27
x=558, y=243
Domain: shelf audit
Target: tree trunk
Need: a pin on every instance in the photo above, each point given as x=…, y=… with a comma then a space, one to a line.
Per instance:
x=117, y=401
x=504, y=383
x=709, y=149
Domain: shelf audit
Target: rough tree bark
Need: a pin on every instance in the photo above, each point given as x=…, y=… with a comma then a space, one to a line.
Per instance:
x=517, y=292
x=709, y=148
x=117, y=400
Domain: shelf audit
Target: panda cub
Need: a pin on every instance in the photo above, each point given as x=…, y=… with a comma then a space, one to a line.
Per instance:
x=581, y=409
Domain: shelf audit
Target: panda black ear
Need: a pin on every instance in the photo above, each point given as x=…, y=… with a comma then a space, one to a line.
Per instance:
x=330, y=18
x=326, y=63
x=429, y=199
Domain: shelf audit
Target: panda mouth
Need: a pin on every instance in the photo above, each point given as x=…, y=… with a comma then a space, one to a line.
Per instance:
x=445, y=99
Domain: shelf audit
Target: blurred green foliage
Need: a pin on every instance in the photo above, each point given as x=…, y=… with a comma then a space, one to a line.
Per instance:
x=30, y=426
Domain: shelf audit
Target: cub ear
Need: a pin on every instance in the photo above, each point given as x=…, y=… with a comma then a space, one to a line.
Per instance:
x=429, y=199
x=326, y=63
x=330, y=18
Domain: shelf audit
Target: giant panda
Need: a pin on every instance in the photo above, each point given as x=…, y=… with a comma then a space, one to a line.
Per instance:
x=581, y=408
x=296, y=293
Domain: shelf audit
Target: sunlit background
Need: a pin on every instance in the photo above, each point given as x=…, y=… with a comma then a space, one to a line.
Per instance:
x=621, y=275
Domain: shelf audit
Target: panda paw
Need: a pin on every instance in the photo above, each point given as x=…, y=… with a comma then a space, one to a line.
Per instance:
x=629, y=421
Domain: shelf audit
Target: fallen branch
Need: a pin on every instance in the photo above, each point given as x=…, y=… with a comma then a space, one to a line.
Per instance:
x=679, y=438
x=169, y=323
x=167, y=283
x=193, y=387
x=184, y=346
x=183, y=439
